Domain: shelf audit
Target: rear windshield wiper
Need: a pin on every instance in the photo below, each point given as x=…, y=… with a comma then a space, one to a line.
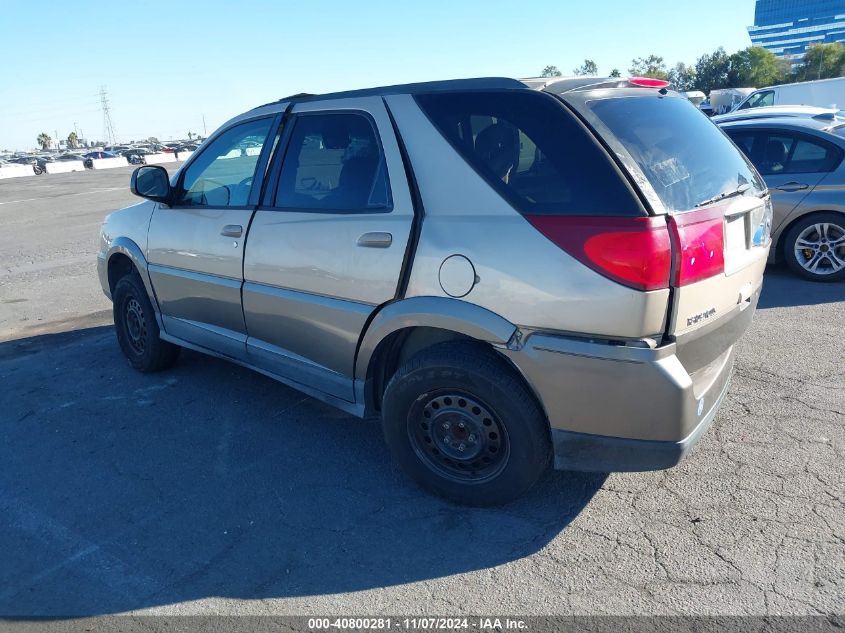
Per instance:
x=725, y=194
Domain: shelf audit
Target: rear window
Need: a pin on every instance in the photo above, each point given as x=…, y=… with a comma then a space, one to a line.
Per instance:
x=532, y=151
x=684, y=156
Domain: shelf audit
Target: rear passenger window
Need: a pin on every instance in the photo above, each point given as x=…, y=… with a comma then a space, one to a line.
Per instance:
x=333, y=162
x=532, y=151
x=783, y=153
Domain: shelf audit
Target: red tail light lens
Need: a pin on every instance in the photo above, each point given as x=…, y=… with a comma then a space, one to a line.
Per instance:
x=648, y=82
x=635, y=252
x=699, y=238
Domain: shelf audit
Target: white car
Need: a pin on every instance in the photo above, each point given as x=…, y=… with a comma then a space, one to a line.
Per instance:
x=802, y=111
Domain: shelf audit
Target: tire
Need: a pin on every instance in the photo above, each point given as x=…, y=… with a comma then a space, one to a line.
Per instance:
x=136, y=327
x=462, y=424
x=822, y=236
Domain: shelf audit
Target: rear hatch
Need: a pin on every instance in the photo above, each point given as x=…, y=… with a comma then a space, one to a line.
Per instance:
x=714, y=203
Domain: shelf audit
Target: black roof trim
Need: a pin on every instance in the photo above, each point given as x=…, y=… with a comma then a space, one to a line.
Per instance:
x=480, y=83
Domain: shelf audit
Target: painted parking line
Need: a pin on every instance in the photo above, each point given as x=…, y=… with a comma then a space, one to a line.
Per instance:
x=81, y=193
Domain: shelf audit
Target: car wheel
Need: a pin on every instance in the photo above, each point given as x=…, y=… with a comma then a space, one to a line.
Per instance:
x=136, y=327
x=814, y=247
x=461, y=423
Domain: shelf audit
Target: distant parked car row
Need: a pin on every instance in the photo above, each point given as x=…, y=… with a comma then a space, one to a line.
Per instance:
x=134, y=155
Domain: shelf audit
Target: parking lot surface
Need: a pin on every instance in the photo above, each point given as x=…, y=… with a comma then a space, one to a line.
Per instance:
x=212, y=489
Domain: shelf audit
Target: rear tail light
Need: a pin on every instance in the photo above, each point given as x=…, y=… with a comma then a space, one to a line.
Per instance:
x=635, y=252
x=648, y=82
x=699, y=245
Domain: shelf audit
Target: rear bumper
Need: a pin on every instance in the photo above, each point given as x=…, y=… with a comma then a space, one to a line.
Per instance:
x=581, y=451
x=613, y=407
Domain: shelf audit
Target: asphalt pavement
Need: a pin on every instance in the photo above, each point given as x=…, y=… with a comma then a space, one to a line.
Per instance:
x=210, y=489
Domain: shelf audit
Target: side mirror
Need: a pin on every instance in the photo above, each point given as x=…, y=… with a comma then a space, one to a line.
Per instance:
x=151, y=182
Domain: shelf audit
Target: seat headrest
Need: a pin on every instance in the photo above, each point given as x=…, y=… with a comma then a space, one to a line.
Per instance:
x=498, y=148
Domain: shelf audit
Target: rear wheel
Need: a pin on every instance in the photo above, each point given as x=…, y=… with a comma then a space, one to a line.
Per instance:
x=460, y=422
x=136, y=327
x=815, y=247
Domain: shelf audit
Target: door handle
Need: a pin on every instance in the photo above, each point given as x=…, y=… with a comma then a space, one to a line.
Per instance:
x=375, y=239
x=232, y=230
x=792, y=186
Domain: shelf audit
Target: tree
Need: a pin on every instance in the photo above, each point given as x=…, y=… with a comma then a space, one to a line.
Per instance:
x=152, y=139
x=682, y=76
x=615, y=73
x=551, y=71
x=72, y=140
x=756, y=67
x=823, y=61
x=651, y=66
x=587, y=68
x=44, y=140
x=711, y=71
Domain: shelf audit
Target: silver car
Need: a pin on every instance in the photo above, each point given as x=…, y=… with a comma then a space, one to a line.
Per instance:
x=510, y=275
x=801, y=160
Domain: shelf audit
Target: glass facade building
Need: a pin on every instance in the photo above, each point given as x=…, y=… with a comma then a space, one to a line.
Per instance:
x=789, y=27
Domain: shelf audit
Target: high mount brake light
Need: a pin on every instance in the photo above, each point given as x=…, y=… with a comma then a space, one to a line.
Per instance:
x=648, y=82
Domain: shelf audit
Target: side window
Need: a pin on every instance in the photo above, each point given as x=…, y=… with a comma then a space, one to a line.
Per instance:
x=333, y=162
x=743, y=140
x=222, y=174
x=780, y=153
x=772, y=156
x=809, y=156
x=532, y=151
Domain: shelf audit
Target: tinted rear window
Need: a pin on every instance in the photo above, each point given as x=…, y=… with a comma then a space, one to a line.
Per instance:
x=532, y=151
x=684, y=156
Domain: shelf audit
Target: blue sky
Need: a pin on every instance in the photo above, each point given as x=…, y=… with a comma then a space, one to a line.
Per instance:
x=166, y=64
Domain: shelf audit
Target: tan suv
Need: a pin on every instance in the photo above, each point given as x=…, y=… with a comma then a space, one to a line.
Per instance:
x=511, y=274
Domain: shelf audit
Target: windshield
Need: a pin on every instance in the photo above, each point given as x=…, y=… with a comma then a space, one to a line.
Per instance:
x=684, y=156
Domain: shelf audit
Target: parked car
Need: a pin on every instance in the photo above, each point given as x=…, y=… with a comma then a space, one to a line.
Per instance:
x=508, y=277
x=89, y=158
x=135, y=155
x=801, y=160
x=830, y=115
x=826, y=93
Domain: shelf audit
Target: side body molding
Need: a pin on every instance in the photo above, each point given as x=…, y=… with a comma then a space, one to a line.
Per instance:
x=435, y=312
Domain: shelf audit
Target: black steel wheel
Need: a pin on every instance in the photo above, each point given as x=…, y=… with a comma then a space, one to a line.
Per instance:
x=136, y=327
x=459, y=436
x=461, y=423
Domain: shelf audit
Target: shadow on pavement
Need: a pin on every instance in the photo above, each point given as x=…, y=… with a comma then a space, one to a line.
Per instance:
x=121, y=491
x=782, y=288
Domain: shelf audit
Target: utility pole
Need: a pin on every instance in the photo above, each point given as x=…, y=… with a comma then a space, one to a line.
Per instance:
x=204, y=131
x=108, y=126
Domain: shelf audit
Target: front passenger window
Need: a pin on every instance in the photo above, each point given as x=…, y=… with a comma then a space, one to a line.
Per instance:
x=222, y=174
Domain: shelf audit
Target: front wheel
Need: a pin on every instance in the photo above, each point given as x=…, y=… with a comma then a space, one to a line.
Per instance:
x=463, y=425
x=136, y=327
x=815, y=247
